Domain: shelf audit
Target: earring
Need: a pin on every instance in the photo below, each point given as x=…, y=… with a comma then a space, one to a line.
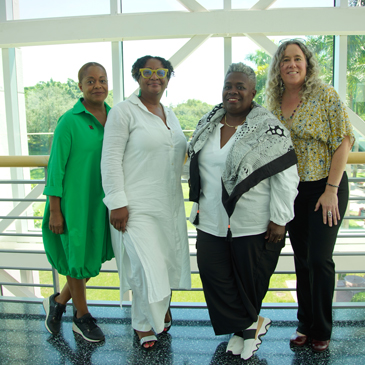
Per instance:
x=166, y=92
x=139, y=93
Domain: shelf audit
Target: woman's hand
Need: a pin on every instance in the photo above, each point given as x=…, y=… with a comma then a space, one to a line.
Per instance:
x=329, y=202
x=119, y=218
x=56, y=222
x=274, y=233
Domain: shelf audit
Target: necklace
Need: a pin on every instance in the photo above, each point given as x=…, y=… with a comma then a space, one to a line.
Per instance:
x=232, y=126
x=291, y=117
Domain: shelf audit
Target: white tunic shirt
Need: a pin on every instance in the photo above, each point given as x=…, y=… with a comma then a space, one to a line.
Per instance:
x=270, y=200
x=141, y=168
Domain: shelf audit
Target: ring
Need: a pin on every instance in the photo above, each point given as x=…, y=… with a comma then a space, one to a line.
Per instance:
x=329, y=213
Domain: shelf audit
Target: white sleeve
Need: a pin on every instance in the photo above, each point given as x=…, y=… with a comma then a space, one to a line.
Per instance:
x=283, y=193
x=116, y=136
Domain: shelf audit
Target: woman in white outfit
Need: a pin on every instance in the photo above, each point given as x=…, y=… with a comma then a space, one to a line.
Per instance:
x=143, y=154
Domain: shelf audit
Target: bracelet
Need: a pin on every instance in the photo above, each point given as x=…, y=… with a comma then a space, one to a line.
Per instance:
x=334, y=186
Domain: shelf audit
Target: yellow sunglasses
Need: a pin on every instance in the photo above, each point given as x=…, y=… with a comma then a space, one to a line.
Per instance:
x=147, y=73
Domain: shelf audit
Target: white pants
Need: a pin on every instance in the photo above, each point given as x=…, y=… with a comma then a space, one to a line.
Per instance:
x=145, y=315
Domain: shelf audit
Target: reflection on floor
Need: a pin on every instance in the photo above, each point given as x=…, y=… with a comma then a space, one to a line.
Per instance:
x=191, y=340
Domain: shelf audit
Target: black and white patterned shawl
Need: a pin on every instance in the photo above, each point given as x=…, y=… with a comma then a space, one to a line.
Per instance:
x=262, y=148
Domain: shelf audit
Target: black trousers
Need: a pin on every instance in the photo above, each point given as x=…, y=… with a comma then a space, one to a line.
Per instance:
x=235, y=278
x=313, y=244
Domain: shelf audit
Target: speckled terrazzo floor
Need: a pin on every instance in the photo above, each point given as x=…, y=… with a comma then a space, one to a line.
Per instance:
x=24, y=340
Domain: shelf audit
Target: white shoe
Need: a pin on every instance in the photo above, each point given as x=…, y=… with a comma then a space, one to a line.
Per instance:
x=251, y=345
x=235, y=345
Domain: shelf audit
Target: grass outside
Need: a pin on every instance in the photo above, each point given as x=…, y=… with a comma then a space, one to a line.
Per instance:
x=112, y=280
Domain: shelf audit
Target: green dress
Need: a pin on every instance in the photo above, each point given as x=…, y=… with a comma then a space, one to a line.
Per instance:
x=74, y=176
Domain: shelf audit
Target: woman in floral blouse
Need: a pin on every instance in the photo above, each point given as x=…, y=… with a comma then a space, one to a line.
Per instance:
x=322, y=137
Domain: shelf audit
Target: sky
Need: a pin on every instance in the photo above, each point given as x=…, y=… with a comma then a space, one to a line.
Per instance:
x=200, y=76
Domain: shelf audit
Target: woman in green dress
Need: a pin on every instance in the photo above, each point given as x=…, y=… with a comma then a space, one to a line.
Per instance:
x=75, y=228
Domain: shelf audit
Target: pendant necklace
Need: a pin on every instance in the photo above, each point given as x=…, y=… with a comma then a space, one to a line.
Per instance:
x=232, y=126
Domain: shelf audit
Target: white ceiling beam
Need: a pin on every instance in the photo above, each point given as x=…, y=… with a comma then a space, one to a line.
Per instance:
x=263, y=4
x=340, y=66
x=263, y=42
x=192, y=5
x=122, y=27
x=187, y=49
x=114, y=6
x=227, y=53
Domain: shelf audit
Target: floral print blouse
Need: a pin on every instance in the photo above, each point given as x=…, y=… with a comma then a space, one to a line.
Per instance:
x=319, y=126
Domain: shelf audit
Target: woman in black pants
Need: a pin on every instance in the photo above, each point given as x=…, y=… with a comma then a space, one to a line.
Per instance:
x=322, y=137
x=243, y=180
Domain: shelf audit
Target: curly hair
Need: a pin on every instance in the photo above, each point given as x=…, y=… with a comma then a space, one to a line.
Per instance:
x=274, y=83
x=84, y=68
x=141, y=63
x=246, y=70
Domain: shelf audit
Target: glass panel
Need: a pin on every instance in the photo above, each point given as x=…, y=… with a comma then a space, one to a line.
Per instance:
x=356, y=2
x=3, y=137
x=148, y=6
x=51, y=86
x=211, y=4
x=356, y=74
x=246, y=51
x=37, y=9
x=247, y=4
x=199, y=77
x=303, y=4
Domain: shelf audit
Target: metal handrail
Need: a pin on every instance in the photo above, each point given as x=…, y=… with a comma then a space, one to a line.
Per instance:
x=355, y=158
x=42, y=161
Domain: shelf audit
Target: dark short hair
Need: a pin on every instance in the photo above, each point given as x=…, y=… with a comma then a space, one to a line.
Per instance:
x=84, y=68
x=141, y=63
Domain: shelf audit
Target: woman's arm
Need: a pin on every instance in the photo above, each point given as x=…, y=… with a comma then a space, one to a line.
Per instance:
x=328, y=200
x=56, y=220
x=283, y=191
x=116, y=136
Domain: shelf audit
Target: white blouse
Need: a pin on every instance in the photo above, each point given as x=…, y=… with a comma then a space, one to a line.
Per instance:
x=270, y=200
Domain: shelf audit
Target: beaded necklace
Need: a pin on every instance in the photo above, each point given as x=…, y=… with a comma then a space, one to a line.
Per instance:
x=291, y=117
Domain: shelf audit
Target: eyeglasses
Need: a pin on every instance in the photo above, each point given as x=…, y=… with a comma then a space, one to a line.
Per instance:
x=147, y=73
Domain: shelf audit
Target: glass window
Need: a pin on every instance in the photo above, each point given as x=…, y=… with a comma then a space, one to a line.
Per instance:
x=3, y=137
x=51, y=85
x=247, y=4
x=199, y=76
x=356, y=74
x=148, y=6
x=356, y=101
x=246, y=51
x=211, y=4
x=303, y=4
x=37, y=9
x=356, y=2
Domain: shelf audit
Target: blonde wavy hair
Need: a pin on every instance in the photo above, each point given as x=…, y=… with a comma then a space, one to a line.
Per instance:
x=274, y=84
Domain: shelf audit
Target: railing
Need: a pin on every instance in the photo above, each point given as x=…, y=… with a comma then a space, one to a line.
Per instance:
x=349, y=252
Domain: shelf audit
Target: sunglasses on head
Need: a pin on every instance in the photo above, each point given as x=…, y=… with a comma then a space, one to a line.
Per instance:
x=146, y=73
x=302, y=40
